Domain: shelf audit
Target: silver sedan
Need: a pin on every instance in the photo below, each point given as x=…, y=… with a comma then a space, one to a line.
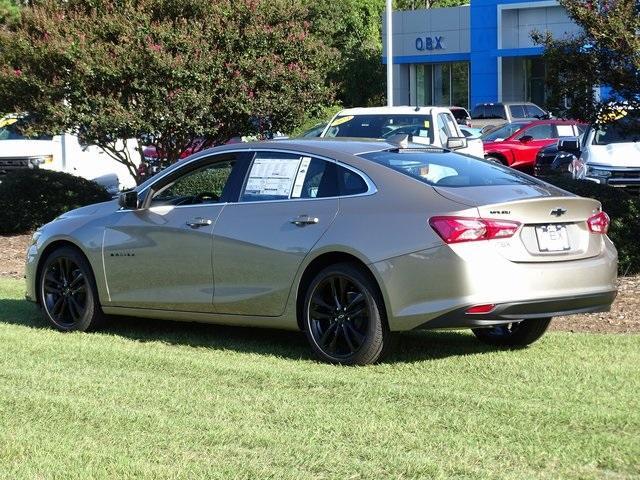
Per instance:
x=345, y=240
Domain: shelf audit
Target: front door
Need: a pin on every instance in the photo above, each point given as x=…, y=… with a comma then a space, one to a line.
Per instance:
x=159, y=256
x=286, y=205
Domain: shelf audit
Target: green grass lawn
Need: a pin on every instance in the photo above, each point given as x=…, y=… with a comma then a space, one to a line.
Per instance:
x=150, y=399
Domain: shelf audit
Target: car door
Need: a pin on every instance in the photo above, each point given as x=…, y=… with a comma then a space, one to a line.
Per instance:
x=529, y=141
x=159, y=256
x=287, y=203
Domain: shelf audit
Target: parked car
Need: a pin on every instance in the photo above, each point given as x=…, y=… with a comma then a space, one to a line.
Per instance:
x=553, y=160
x=434, y=126
x=345, y=240
x=461, y=115
x=471, y=132
x=490, y=115
x=516, y=144
x=609, y=153
x=62, y=153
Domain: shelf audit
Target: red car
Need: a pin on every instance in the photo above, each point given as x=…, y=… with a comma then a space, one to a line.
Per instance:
x=516, y=144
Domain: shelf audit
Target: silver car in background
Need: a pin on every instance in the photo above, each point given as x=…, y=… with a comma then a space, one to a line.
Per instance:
x=345, y=240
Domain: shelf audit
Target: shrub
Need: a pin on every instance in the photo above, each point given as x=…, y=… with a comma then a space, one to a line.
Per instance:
x=624, y=210
x=30, y=198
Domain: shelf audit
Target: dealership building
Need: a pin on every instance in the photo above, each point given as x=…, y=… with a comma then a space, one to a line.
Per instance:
x=482, y=52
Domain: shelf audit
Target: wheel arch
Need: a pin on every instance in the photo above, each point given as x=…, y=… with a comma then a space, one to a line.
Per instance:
x=324, y=260
x=499, y=155
x=50, y=247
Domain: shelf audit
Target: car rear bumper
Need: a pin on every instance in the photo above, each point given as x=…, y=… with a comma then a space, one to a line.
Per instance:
x=434, y=288
x=524, y=310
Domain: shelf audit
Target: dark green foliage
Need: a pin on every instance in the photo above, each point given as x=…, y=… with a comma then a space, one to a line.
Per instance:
x=624, y=211
x=606, y=53
x=30, y=198
x=209, y=181
x=9, y=11
x=163, y=71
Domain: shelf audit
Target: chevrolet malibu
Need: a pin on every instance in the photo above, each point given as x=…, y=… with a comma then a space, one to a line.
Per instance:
x=347, y=241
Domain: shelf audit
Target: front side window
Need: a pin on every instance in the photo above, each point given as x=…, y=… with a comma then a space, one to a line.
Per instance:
x=533, y=111
x=443, y=129
x=540, y=132
x=517, y=111
x=381, y=126
x=200, y=186
x=448, y=169
x=282, y=176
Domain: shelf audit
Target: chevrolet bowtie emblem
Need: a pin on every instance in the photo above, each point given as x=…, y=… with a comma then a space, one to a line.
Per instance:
x=558, y=212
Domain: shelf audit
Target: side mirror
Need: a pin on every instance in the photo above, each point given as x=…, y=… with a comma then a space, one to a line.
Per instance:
x=571, y=145
x=128, y=200
x=525, y=138
x=456, y=143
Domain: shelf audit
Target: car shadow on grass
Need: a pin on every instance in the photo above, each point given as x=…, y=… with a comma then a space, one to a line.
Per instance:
x=408, y=347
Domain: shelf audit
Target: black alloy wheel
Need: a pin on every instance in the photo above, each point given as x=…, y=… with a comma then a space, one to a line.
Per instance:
x=516, y=334
x=67, y=291
x=342, y=315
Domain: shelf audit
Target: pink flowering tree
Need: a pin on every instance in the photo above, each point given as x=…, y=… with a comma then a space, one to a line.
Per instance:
x=162, y=71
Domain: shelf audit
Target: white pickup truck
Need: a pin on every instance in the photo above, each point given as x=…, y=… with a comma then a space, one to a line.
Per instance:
x=434, y=126
x=62, y=153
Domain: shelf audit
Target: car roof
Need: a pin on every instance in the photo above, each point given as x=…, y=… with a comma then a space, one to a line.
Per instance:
x=353, y=146
x=400, y=110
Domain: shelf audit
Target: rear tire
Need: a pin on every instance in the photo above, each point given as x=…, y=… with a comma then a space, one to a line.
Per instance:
x=518, y=334
x=344, y=316
x=498, y=160
x=67, y=292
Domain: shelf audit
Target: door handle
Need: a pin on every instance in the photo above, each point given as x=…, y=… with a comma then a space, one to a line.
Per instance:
x=303, y=220
x=199, y=222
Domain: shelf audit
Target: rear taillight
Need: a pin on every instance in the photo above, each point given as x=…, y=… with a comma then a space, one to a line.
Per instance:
x=463, y=229
x=599, y=223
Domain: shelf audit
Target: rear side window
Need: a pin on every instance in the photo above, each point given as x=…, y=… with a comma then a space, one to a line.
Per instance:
x=281, y=176
x=349, y=182
x=447, y=169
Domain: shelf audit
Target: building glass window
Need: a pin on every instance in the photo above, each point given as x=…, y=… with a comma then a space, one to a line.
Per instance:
x=424, y=85
x=443, y=84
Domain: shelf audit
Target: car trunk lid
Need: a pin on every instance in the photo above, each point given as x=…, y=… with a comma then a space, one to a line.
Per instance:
x=553, y=222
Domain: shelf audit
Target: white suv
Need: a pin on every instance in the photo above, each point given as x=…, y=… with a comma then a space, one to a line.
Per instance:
x=427, y=125
x=609, y=153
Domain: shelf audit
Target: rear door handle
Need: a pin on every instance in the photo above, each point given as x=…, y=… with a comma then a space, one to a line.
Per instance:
x=303, y=220
x=199, y=222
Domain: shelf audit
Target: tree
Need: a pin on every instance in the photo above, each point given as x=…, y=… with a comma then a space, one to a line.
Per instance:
x=353, y=29
x=606, y=53
x=162, y=71
x=9, y=11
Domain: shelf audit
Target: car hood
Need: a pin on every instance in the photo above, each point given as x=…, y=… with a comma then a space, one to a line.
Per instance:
x=615, y=154
x=484, y=195
x=96, y=209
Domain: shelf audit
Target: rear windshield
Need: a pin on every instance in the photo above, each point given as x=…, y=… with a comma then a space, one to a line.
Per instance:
x=381, y=126
x=447, y=169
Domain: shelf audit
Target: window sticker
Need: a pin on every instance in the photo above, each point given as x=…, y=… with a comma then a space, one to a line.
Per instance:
x=426, y=124
x=565, y=130
x=300, y=177
x=272, y=177
x=341, y=120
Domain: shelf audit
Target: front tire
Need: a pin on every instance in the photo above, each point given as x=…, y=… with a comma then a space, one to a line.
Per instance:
x=344, y=316
x=67, y=292
x=517, y=334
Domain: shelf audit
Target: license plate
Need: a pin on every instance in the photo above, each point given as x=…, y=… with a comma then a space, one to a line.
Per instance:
x=553, y=238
